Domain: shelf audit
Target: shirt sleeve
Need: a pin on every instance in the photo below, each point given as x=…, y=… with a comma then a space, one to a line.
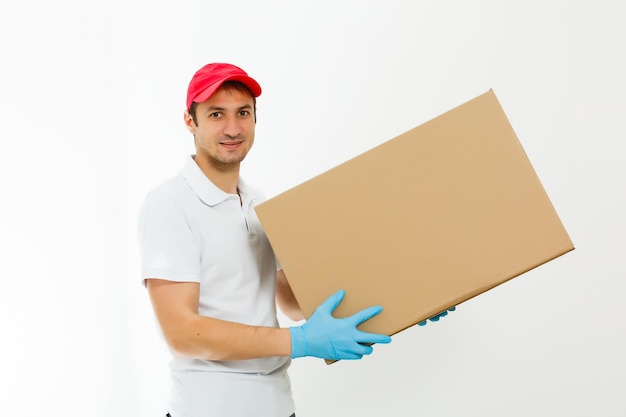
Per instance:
x=168, y=247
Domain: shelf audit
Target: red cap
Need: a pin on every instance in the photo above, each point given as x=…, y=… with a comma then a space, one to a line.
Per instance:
x=209, y=78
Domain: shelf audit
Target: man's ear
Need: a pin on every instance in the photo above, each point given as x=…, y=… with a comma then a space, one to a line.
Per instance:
x=191, y=125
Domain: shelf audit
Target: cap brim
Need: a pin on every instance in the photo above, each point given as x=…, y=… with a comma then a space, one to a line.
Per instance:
x=252, y=85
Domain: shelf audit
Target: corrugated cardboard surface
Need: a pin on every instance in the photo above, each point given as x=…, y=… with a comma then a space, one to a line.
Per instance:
x=420, y=223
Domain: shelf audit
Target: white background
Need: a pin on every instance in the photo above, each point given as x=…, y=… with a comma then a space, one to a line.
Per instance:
x=91, y=101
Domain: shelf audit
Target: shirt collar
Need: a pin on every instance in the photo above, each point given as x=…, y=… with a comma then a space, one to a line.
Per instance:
x=208, y=192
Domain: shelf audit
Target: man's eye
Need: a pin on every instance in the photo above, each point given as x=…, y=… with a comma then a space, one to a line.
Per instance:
x=214, y=114
x=244, y=113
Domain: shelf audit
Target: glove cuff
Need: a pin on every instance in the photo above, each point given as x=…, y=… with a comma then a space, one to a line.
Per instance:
x=298, y=342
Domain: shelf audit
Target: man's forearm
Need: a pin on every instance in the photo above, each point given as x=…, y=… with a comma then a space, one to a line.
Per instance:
x=212, y=339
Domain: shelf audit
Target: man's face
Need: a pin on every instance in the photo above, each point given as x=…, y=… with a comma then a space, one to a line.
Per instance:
x=225, y=129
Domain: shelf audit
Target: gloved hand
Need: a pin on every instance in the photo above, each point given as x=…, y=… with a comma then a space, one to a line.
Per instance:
x=436, y=317
x=324, y=336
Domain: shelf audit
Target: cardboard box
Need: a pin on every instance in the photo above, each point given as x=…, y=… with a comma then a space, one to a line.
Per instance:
x=418, y=224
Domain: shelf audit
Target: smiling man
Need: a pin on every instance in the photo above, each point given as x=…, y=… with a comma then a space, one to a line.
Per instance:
x=212, y=276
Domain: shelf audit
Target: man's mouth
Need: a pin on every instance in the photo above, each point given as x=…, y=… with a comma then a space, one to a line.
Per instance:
x=231, y=145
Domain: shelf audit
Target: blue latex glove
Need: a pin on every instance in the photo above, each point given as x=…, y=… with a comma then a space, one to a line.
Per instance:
x=436, y=317
x=324, y=336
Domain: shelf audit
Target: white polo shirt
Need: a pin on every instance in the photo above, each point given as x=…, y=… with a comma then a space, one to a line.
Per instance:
x=191, y=231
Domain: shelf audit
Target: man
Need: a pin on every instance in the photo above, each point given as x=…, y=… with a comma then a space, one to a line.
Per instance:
x=213, y=279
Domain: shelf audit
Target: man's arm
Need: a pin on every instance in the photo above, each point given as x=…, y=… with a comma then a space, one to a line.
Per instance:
x=285, y=299
x=189, y=334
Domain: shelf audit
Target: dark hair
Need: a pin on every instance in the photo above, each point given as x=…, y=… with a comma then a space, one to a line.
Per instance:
x=228, y=86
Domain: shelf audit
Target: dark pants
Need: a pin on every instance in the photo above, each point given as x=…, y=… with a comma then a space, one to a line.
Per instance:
x=168, y=415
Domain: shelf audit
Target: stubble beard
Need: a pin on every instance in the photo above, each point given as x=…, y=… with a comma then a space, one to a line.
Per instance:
x=228, y=162
x=224, y=162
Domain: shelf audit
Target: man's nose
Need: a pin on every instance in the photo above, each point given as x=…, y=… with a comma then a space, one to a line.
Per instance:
x=233, y=128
